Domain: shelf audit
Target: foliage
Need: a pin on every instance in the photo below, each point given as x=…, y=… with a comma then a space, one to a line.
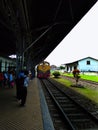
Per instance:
x=61, y=67
x=56, y=74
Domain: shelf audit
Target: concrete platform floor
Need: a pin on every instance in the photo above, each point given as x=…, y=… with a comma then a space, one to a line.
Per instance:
x=13, y=117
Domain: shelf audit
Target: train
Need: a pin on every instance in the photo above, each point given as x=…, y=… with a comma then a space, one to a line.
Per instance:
x=43, y=69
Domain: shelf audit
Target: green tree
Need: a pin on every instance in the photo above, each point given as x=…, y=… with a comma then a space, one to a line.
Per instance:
x=62, y=67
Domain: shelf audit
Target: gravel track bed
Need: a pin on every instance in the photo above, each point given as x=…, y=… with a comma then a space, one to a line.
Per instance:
x=84, y=101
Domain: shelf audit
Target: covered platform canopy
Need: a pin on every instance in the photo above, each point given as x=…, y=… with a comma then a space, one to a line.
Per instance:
x=33, y=28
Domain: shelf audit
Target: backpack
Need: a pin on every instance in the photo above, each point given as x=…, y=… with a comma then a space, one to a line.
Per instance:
x=20, y=81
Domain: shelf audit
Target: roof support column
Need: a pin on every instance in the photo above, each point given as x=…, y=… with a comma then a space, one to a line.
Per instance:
x=20, y=55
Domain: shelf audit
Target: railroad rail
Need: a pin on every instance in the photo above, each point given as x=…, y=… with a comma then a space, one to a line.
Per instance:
x=66, y=113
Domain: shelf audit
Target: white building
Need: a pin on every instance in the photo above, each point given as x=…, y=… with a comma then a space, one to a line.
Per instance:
x=87, y=64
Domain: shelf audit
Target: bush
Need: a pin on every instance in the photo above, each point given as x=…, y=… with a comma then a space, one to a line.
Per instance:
x=56, y=74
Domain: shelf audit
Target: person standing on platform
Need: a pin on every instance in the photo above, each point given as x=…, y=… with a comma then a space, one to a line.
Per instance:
x=5, y=78
x=10, y=79
x=19, y=84
x=1, y=79
x=24, y=88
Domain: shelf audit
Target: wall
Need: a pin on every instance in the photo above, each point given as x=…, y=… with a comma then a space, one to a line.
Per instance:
x=6, y=63
x=93, y=66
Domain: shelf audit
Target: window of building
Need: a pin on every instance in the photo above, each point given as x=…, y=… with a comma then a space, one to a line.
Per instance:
x=88, y=62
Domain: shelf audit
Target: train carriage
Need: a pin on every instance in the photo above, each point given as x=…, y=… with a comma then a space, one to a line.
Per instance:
x=43, y=70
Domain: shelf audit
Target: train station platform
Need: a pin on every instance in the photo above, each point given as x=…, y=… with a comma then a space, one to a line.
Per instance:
x=33, y=116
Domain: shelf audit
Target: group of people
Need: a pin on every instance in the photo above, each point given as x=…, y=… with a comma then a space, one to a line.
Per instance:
x=22, y=82
x=7, y=79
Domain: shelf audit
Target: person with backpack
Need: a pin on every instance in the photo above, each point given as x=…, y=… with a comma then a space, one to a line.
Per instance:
x=24, y=88
x=19, y=84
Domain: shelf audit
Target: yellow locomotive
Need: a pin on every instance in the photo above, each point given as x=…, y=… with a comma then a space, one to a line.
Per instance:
x=43, y=70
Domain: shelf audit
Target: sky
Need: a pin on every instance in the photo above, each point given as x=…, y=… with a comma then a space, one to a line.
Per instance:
x=81, y=42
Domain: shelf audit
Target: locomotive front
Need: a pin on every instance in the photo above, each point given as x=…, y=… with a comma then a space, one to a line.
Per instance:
x=43, y=70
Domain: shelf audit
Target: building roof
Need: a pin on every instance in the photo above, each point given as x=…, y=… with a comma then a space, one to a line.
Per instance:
x=75, y=62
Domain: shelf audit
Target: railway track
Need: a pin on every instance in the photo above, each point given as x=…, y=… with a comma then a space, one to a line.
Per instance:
x=65, y=112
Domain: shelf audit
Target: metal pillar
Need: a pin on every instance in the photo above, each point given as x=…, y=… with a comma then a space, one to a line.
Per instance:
x=19, y=55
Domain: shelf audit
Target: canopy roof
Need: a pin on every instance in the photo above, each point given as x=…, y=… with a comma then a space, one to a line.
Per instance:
x=37, y=27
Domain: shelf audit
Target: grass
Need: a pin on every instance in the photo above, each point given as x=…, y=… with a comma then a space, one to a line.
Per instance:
x=90, y=77
x=84, y=76
x=92, y=94
x=89, y=93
